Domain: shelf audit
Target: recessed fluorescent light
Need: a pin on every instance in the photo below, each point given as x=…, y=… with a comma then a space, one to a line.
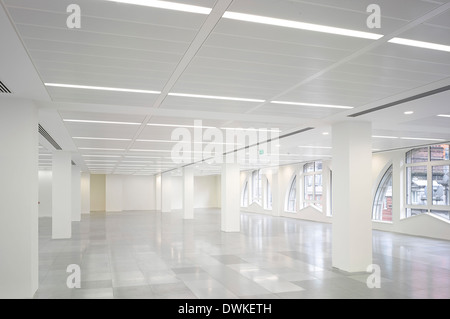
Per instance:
x=101, y=149
x=444, y=115
x=251, y=129
x=216, y=97
x=101, y=138
x=300, y=25
x=408, y=112
x=100, y=88
x=384, y=136
x=421, y=44
x=188, y=142
x=422, y=139
x=325, y=133
x=100, y=122
x=166, y=5
x=312, y=104
x=179, y=125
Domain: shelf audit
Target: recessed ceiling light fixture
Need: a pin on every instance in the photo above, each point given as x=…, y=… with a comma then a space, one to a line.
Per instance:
x=312, y=104
x=100, y=88
x=422, y=139
x=166, y=5
x=384, y=136
x=408, y=112
x=101, y=138
x=179, y=125
x=251, y=129
x=443, y=115
x=421, y=44
x=300, y=25
x=228, y=98
x=100, y=122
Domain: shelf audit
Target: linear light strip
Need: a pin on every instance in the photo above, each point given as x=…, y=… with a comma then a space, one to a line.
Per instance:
x=300, y=25
x=101, y=138
x=166, y=5
x=421, y=44
x=100, y=88
x=443, y=115
x=100, y=122
x=216, y=97
x=312, y=104
x=179, y=125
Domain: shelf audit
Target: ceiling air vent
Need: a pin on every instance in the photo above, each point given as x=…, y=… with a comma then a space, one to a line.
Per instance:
x=3, y=88
x=47, y=136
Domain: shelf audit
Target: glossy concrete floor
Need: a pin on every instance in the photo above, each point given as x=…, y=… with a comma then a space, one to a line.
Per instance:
x=153, y=255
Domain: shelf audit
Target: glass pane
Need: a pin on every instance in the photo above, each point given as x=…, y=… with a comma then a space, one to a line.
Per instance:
x=309, y=187
x=382, y=205
x=412, y=212
x=318, y=187
x=308, y=167
x=439, y=152
x=442, y=213
x=440, y=185
x=292, y=195
x=318, y=166
x=417, y=155
x=416, y=183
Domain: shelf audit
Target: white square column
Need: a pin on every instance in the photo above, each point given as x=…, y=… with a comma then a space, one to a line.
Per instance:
x=352, y=196
x=158, y=192
x=188, y=192
x=230, y=209
x=166, y=193
x=62, y=195
x=19, y=199
x=76, y=194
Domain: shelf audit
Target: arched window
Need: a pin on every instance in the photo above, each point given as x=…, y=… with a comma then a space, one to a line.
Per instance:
x=256, y=186
x=424, y=165
x=244, y=199
x=292, y=196
x=268, y=197
x=312, y=176
x=382, y=204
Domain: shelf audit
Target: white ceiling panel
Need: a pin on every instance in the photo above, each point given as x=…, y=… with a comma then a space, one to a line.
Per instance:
x=406, y=66
x=442, y=20
x=95, y=116
x=101, y=97
x=198, y=104
x=341, y=14
x=140, y=47
x=276, y=58
x=300, y=112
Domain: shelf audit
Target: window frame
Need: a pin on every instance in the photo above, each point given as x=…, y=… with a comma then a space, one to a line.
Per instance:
x=316, y=203
x=292, y=185
x=429, y=207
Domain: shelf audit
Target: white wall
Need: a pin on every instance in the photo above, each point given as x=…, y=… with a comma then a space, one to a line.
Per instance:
x=130, y=193
x=139, y=193
x=205, y=193
x=85, y=193
x=420, y=225
x=45, y=193
x=98, y=192
x=114, y=193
